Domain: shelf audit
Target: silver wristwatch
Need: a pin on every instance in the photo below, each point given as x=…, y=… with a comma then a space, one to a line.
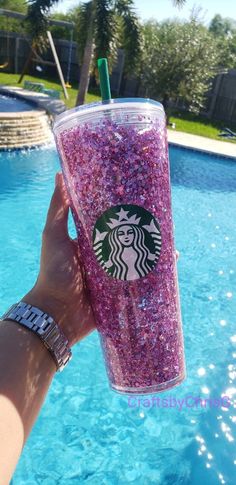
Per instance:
x=45, y=327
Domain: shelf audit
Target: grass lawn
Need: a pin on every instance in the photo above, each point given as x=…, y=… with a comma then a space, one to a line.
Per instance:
x=199, y=125
x=186, y=122
x=11, y=80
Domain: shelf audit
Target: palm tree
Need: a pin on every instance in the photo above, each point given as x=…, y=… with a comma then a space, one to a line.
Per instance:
x=104, y=25
x=107, y=25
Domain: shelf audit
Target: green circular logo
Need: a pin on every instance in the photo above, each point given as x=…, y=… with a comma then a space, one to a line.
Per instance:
x=127, y=242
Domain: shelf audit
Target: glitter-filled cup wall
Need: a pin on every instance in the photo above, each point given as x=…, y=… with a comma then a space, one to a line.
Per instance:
x=114, y=158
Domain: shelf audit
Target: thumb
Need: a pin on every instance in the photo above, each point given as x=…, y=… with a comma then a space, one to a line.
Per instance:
x=57, y=217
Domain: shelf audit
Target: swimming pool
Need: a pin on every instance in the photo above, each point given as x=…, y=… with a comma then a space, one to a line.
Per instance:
x=88, y=434
x=12, y=104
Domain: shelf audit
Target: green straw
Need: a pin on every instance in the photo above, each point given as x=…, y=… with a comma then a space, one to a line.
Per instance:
x=104, y=79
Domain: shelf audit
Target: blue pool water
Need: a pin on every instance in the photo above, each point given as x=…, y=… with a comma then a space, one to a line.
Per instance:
x=87, y=433
x=11, y=104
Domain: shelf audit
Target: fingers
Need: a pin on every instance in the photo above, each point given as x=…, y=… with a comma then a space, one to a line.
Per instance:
x=57, y=217
x=59, y=180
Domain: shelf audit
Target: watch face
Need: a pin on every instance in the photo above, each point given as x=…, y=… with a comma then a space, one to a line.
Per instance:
x=127, y=242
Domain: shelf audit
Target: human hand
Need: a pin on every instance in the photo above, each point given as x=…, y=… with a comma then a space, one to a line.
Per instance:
x=59, y=289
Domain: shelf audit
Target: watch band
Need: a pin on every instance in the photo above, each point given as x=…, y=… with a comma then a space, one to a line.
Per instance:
x=45, y=327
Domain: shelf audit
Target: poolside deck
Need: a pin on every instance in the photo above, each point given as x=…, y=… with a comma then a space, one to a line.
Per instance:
x=203, y=144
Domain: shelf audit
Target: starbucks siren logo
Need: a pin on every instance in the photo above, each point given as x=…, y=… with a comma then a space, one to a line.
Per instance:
x=127, y=242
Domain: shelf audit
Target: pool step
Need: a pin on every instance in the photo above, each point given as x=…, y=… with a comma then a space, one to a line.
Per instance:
x=26, y=128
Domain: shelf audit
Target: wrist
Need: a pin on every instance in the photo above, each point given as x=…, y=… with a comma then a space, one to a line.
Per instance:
x=31, y=315
x=61, y=312
x=40, y=299
x=25, y=339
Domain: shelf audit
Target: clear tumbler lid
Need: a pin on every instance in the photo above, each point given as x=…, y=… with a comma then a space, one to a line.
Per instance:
x=119, y=110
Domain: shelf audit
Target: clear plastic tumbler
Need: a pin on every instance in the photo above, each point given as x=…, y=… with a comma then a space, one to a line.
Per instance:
x=114, y=157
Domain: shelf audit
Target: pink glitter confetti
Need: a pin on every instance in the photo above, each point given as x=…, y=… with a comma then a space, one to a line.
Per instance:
x=108, y=165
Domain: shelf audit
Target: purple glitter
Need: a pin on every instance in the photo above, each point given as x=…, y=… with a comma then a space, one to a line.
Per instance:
x=139, y=322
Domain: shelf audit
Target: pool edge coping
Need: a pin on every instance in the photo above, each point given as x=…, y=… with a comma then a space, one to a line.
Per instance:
x=46, y=103
x=202, y=150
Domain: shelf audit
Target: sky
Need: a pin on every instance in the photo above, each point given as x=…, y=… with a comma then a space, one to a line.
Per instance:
x=162, y=9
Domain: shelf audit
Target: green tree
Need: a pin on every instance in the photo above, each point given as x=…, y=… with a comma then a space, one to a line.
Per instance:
x=224, y=31
x=220, y=26
x=105, y=25
x=179, y=61
x=15, y=5
x=60, y=32
x=11, y=24
x=227, y=51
